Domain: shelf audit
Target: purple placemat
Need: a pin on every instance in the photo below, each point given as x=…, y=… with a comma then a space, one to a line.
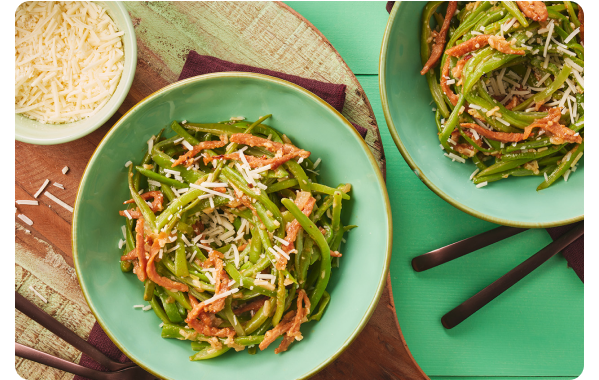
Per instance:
x=334, y=94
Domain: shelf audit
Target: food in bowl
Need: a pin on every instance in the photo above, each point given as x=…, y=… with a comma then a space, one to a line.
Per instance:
x=235, y=247
x=69, y=59
x=510, y=94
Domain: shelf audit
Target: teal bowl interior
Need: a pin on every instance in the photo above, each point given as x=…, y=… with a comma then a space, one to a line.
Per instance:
x=34, y=132
x=311, y=124
x=407, y=106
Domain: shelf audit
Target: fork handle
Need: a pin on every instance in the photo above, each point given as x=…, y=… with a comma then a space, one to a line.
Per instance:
x=458, y=249
x=480, y=299
x=46, y=320
x=53, y=361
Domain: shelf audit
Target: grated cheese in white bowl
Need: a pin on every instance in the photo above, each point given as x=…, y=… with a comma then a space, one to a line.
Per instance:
x=69, y=58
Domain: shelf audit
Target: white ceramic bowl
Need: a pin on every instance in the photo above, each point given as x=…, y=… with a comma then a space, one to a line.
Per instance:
x=34, y=132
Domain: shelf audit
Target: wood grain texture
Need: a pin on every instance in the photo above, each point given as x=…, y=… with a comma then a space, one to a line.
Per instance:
x=265, y=34
x=269, y=35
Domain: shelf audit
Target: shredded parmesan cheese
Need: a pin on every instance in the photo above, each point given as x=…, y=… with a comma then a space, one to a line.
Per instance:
x=46, y=182
x=61, y=203
x=68, y=60
x=37, y=294
x=27, y=202
x=25, y=219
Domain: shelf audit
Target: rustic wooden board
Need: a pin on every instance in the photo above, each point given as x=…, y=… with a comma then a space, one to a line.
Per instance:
x=269, y=35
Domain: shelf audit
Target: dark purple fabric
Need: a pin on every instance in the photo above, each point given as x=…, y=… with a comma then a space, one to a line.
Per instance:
x=574, y=253
x=334, y=94
x=390, y=6
x=100, y=340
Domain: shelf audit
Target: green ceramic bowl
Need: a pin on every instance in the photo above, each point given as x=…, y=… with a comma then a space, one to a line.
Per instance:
x=312, y=124
x=34, y=132
x=406, y=102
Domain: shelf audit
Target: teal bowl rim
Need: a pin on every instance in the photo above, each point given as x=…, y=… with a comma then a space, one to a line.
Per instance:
x=406, y=155
x=128, y=70
x=234, y=74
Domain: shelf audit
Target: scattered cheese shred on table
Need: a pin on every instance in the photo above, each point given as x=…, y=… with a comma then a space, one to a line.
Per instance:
x=68, y=60
x=46, y=182
x=61, y=203
x=25, y=219
x=37, y=294
x=26, y=202
x=65, y=170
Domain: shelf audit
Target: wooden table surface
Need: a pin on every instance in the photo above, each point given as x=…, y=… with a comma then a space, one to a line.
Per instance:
x=269, y=35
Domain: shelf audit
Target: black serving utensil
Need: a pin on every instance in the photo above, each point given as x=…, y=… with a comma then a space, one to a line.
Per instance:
x=480, y=299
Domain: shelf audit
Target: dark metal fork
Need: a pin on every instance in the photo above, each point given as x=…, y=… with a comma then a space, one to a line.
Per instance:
x=119, y=371
x=463, y=247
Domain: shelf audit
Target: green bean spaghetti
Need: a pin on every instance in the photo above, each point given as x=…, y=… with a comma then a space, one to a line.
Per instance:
x=510, y=93
x=234, y=238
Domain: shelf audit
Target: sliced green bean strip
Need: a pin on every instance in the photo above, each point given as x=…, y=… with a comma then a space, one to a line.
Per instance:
x=146, y=160
x=146, y=212
x=129, y=238
x=563, y=167
x=501, y=166
x=233, y=318
x=262, y=212
x=198, y=346
x=545, y=141
x=182, y=201
x=318, y=188
x=315, y=254
x=573, y=17
x=181, y=269
x=179, y=297
x=174, y=331
x=260, y=317
x=247, y=282
x=255, y=246
x=126, y=266
x=532, y=155
x=148, y=289
x=233, y=176
x=169, y=307
x=278, y=186
x=451, y=123
x=299, y=247
x=306, y=254
x=280, y=300
x=313, y=275
x=546, y=94
x=299, y=173
x=159, y=310
x=188, y=174
x=179, y=130
x=515, y=11
x=162, y=179
x=215, y=129
x=209, y=353
x=166, y=190
x=321, y=306
x=325, y=263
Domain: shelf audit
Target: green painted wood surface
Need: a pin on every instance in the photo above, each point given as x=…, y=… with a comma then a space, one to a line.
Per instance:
x=534, y=329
